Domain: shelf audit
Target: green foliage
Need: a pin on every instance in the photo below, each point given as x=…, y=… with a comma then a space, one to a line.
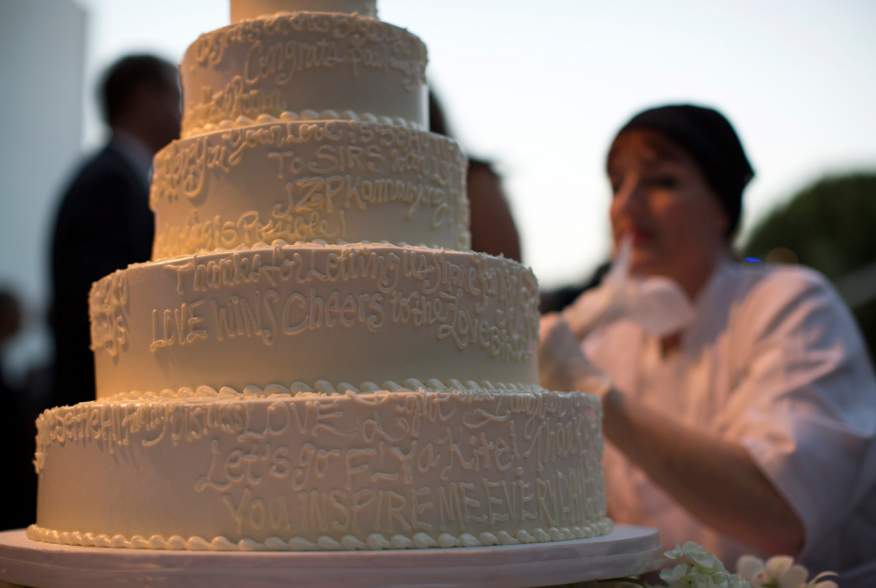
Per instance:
x=831, y=227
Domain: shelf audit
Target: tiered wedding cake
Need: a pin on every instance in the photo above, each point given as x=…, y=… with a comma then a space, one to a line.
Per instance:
x=314, y=359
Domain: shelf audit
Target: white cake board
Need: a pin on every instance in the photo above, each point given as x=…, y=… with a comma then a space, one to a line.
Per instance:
x=625, y=551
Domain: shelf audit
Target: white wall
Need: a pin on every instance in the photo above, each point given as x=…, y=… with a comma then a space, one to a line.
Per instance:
x=43, y=45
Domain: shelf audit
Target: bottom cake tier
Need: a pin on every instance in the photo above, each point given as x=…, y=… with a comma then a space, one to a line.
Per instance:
x=442, y=465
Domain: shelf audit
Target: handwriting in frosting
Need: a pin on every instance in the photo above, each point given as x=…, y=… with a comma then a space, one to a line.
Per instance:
x=391, y=463
x=472, y=303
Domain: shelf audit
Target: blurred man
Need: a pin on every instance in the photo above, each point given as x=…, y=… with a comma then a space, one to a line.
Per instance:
x=16, y=429
x=491, y=221
x=103, y=221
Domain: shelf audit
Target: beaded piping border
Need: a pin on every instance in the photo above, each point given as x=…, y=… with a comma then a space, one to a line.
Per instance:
x=324, y=387
x=373, y=542
x=304, y=116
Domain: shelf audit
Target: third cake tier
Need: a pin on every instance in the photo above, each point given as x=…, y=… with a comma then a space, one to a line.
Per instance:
x=314, y=315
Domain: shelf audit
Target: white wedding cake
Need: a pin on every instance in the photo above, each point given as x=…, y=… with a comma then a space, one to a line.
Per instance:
x=314, y=359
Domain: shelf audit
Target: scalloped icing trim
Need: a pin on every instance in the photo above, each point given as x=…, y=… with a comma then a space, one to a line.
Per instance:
x=375, y=541
x=325, y=387
x=464, y=244
x=319, y=243
x=306, y=116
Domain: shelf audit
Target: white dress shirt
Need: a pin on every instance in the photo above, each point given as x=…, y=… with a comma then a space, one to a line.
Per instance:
x=774, y=360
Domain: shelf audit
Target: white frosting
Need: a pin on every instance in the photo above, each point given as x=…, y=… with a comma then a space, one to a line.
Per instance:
x=380, y=470
x=333, y=180
x=303, y=62
x=285, y=313
x=246, y=9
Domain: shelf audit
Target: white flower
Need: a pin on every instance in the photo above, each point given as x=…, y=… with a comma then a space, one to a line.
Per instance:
x=675, y=574
x=779, y=571
x=749, y=567
x=697, y=568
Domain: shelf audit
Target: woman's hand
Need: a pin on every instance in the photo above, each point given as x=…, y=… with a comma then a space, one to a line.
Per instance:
x=561, y=363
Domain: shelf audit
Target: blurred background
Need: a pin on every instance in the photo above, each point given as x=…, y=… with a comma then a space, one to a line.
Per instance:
x=538, y=88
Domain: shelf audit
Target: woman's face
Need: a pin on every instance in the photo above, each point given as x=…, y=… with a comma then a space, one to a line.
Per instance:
x=661, y=201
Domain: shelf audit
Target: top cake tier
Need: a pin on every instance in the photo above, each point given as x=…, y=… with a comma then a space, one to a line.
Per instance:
x=303, y=64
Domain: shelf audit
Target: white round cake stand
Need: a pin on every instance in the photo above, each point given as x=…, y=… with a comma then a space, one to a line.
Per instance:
x=627, y=550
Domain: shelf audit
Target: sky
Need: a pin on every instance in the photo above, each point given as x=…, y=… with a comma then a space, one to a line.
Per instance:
x=541, y=87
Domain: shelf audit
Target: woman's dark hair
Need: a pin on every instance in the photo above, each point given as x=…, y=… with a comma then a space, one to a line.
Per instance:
x=709, y=138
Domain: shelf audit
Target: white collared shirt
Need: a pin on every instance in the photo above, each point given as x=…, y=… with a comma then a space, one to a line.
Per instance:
x=773, y=360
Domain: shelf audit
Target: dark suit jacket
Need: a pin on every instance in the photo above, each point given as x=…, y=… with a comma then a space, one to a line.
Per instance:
x=17, y=440
x=103, y=224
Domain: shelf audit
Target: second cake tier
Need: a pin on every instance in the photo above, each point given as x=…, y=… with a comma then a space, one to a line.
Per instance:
x=314, y=315
x=334, y=181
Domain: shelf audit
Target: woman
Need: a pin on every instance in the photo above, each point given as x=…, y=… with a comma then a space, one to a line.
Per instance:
x=750, y=426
